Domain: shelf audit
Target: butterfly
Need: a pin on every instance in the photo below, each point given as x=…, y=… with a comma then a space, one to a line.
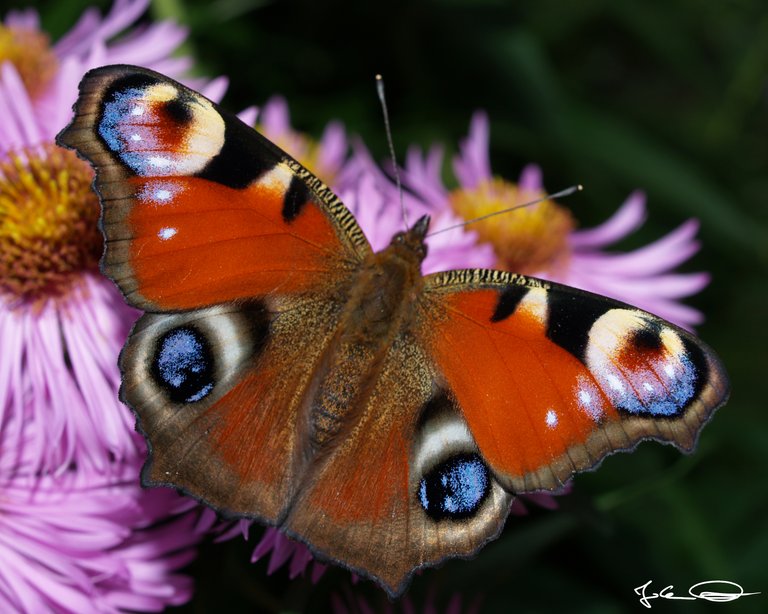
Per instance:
x=283, y=371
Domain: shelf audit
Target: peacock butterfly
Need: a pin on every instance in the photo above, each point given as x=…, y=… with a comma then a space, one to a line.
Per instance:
x=283, y=371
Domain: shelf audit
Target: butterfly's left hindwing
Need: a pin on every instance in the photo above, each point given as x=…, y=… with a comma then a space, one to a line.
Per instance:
x=217, y=393
x=551, y=379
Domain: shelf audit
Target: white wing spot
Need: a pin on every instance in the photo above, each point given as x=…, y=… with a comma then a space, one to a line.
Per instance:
x=585, y=397
x=166, y=233
x=551, y=418
x=159, y=161
x=615, y=383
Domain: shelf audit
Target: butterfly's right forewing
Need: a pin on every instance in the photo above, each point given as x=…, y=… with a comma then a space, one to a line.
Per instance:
x=552, y=379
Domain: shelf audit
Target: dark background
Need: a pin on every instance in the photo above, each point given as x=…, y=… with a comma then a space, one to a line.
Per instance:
x=667, y=96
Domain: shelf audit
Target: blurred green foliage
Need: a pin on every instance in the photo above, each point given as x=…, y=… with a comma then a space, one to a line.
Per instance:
x=667, y=96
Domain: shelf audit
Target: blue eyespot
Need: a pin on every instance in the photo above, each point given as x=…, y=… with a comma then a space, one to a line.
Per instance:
x=183, y=365
x=455, y=488
x=115, y=125
x=662, y=388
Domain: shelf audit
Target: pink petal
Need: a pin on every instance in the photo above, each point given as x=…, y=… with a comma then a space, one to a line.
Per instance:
x=318, y=569
x=274, y=117
x=54, y=107
x=473, y=165
x=530, y=179
x=671, y=310
x=667, y=286
x=661, y=255
x=281, y=552
x=177, y=68
x=85, y=26
x=10, y=133
x=518, y=507
x=123, y=14
x=627, y=219
x=422, y=176
x=26, y=19
x=266, y=544
x=333, y=147
x=19, y=106
x=545, y=500
x=215, y=88
x=301, y=559
x=248, y=115
x=149, y=45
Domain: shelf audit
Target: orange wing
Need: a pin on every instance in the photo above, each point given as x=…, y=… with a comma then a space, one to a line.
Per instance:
x=551, y=379
x=198, y=208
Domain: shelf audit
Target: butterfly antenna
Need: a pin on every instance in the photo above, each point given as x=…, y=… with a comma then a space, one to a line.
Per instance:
x=383, y=101
x=560, y=194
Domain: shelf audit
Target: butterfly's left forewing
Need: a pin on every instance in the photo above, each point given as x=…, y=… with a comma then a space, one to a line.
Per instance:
x=197, y=208
x=551, y=379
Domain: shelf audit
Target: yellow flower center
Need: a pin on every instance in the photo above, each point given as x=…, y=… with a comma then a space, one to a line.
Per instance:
x=527, y=240
x=48, y=223
x=30, y=52
x=305, y=150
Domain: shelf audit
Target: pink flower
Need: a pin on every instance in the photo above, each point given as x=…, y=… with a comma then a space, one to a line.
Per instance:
x=59, y=372
x=38, y=83
x=87, y=541
x=282, y=550
x=540, y=240
x=62, y=323
x=77, y=533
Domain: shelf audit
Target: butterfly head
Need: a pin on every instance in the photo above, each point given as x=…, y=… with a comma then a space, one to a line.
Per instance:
x=411, y=243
